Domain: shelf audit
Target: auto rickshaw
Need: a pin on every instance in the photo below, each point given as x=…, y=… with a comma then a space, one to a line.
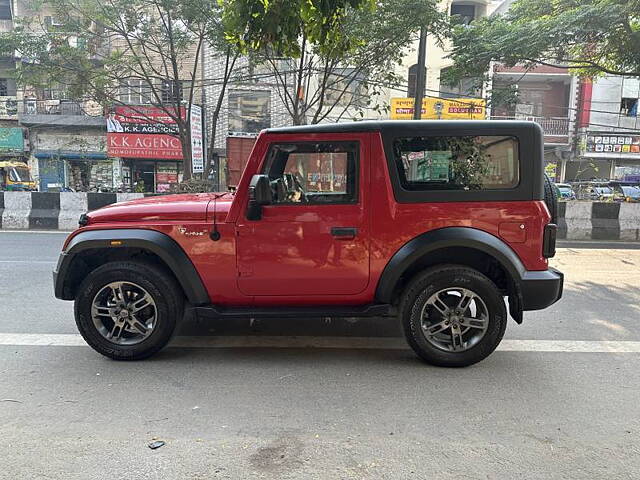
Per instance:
x=16, y=176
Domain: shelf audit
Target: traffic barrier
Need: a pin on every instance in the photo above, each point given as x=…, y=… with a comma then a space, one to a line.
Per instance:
x=61, y=211
x=52, y=211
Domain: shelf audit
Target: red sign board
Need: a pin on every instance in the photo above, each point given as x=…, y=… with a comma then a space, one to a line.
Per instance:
x=133, y=145
x=142, y=132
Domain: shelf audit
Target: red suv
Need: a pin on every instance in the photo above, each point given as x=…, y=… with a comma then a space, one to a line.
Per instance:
x=433, y=222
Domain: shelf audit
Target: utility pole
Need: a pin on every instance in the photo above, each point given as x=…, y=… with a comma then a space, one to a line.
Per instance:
x=420, y=76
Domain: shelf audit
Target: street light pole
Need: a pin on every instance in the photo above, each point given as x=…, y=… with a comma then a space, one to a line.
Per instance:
x=420, y=75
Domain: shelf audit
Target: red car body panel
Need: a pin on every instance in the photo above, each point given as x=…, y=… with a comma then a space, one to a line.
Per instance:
x=289, y=257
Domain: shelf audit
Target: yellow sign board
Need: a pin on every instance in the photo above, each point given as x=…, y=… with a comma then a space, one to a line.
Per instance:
x=439, y=109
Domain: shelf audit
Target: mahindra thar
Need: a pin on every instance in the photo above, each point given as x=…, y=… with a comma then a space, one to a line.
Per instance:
x=435, y=223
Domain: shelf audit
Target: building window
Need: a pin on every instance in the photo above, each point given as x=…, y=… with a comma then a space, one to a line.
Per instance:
x=346, y=88
x=5, y=10
x=413, y=80
x=249, y=111
x=465, y=13
x=172, y=91
x=629, y=107
x=465, y=87
x=457, y=163
x=134, y=92
x=54, y=92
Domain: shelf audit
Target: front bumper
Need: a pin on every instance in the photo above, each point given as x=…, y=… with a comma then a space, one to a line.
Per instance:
x=541, y=289
x=58, y=277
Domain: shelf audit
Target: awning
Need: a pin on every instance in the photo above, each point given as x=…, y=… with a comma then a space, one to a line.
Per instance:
x=66, y=155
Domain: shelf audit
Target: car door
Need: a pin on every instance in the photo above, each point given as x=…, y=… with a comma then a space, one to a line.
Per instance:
x=314, y=239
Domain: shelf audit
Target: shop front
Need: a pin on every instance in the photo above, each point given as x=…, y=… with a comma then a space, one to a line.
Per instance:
x=146, y=140
x=608, y=155
x=151, y=176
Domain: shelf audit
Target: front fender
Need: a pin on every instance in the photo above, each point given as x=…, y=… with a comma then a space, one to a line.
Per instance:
x=152, y=241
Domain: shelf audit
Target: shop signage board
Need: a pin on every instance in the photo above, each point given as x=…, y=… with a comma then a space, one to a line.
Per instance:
x=197, y=149
x=11, y=140
x=626, y=143
x=143, y=132
x=439, y=109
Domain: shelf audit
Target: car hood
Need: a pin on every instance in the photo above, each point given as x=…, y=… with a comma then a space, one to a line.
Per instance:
x=184, y=207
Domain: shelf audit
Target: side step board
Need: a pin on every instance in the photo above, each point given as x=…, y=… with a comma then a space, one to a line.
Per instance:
x=213, y=312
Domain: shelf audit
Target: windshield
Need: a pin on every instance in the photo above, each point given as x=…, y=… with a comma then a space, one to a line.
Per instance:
x=19, y=174
x=603, y=190
x=565, y=189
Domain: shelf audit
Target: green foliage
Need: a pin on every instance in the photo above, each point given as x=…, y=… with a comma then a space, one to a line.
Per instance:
x=341, y=83
x=592, y=37
x=279, y=24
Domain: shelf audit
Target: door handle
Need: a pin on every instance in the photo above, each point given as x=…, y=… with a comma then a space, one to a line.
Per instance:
x=344, y=232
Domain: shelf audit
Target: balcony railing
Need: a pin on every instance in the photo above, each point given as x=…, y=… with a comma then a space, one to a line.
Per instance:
x=10, y=107
x=552, y=127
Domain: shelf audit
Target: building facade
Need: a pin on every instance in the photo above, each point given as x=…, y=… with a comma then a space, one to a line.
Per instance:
x=608, y=134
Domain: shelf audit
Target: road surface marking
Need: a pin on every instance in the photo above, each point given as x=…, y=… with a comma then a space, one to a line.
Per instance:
x=49, y=262
x=375, y=343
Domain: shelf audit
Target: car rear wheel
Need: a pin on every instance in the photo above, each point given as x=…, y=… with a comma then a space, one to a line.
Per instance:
x=128, y=310
x=453, y=316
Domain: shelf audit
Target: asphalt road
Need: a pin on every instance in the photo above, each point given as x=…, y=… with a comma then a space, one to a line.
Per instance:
x=331, y=413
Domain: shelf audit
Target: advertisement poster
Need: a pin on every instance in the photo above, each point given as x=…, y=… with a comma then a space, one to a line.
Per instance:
x=613, y=143
x=166, y=174
x=142, y=132
x=197, y=149
x=439, y=109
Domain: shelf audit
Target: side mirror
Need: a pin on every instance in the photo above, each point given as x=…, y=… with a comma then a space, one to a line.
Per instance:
x=259, y=194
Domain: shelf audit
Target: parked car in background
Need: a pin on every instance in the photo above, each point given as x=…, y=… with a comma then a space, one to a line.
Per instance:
x=593, y=191
x=566, y=192
x=626, y=193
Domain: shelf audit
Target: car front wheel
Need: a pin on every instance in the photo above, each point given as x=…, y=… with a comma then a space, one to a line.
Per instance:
x=128, y=310
x=453, y=316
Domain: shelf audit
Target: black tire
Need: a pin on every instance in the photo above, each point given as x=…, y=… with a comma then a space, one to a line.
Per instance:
x=442, y=277
x=160, y=285
x=551, y=199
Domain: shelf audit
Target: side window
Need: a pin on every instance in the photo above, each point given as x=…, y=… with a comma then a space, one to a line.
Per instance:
x=313, y=172
x=458, y=163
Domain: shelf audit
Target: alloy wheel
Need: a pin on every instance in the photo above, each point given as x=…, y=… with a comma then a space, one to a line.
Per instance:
x=454, y=319
x=124, y=313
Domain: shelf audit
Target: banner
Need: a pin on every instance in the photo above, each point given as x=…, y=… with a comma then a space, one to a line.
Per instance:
x=143, y=131
x=439, y=109
x=197, y=150
x=613, y=143
x=126, y=145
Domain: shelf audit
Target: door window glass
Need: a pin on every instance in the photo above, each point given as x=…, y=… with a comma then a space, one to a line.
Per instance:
x=314, y=172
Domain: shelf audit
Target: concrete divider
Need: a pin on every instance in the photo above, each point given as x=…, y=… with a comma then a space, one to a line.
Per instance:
x=630, y=222
x=61, y=211
x=17, y=208
x=72, y=205
x=45, y=208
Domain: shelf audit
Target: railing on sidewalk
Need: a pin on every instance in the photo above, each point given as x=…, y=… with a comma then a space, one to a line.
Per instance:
x=552, y=127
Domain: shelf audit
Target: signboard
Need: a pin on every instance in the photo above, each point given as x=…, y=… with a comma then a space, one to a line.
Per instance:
x=439, y=109
x=143, y=132
x=8, y=107
x=11, y=140
x=613, y=143
x=197, y=150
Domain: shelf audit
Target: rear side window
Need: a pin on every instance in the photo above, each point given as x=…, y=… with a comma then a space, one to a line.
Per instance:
x=457, y=162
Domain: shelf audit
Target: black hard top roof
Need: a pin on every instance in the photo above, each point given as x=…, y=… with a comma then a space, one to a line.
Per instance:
x=486, y=127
